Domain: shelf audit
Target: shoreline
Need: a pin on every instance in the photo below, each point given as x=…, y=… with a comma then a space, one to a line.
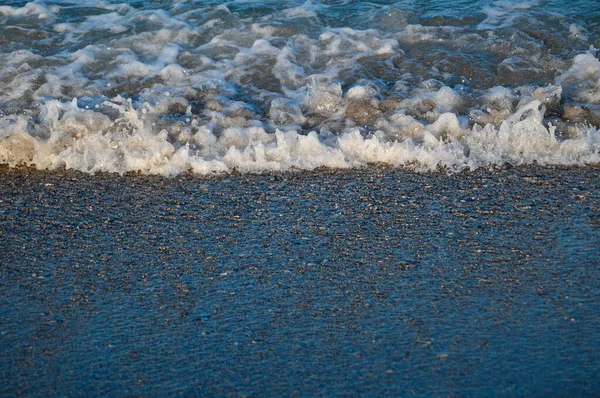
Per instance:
x=5, y=169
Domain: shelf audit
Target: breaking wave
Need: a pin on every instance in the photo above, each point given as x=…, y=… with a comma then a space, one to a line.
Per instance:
x=218, y=86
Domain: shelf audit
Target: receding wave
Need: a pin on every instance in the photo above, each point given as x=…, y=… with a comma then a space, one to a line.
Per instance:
x=209, y=87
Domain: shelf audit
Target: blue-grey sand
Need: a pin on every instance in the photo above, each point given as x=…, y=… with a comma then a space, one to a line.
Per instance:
x=376, y=282
x=299, y=198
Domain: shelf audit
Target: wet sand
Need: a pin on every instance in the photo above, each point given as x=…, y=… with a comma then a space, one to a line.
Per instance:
x=377, y=282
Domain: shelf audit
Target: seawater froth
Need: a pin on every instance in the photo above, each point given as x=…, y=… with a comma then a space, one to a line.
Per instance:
x=219, y=86
x=90, y=141
x=36, y=9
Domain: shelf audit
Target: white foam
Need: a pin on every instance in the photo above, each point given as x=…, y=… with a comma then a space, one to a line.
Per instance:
x=306, y=10
x=360, y=92
x=35, y=8
x=582, y=79
x=91, y=142
x=446, y=99
x=578, y=32
x=324, y=99
x=501, y=14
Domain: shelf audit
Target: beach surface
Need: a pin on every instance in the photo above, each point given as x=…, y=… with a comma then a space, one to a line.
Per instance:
x=378, y=282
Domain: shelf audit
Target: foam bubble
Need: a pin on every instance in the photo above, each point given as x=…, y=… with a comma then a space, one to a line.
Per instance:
x=35, y=8
x=87, y=140
x=582, y=80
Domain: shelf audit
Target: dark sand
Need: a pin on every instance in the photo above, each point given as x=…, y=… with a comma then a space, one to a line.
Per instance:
x=375, y=282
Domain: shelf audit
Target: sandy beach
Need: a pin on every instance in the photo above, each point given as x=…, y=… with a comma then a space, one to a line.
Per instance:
x=373, y=282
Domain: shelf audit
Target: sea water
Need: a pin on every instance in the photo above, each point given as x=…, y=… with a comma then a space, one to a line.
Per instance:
x=167, y=87
x=375, y=274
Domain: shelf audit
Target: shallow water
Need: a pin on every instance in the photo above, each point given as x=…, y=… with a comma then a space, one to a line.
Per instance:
x=171, y=87
x=361, y=282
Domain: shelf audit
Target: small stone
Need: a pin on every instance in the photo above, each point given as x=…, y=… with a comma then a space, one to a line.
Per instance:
x=589, y=114
x=214, y=105
x=573, y=113
x=389, y=104
x=549, y=96
x=242, y=112
x=492, y=116
x=171, y=106
x=191, y=94
x=282, y=112
x=363, y=111
x=594, y=115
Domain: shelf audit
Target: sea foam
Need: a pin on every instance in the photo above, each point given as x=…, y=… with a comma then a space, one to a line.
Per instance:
x=208, y=87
